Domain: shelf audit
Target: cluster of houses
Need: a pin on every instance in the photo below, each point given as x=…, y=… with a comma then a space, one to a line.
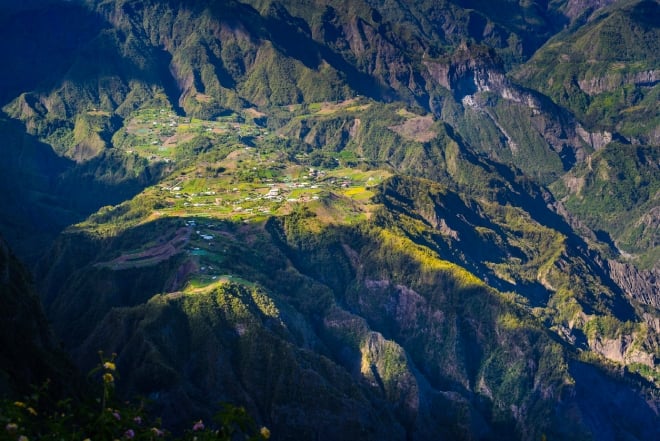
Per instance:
x=277, y=192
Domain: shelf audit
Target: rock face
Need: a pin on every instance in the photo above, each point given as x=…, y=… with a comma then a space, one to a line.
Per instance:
x=575, y=9
x=641, y=285
x=474, y=75
x=610, y=83
x=596, y=140
x=470, y=70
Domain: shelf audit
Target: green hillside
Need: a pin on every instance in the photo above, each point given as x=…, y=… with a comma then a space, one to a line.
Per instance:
x=619, y=183
x=606, y=72
x=356, y=220
x=350, y=264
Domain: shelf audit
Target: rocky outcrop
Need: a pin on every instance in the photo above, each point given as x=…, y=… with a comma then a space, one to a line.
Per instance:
x=612, y=348
x=622, y=350
x=641, y=285
x=472, y=71
x=609, y=83
x=575, y=9
x=597, y=140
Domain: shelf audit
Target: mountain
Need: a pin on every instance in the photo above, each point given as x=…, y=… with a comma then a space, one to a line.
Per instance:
x=359, y=220
x=30, y=355
x=606, y=73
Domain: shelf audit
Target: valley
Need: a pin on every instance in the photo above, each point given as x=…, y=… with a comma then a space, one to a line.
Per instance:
x=354, y=220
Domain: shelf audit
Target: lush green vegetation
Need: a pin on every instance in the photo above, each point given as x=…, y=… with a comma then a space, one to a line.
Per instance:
x=263, y=278
x=333, y=213
x=592, y=71
x=618, y=184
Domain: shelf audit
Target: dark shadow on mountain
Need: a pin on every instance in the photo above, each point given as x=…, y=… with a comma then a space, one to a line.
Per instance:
x=464, y=86
x=163, y=60
x=537, y=294
x=293, y=37
x=546, y=18
x=107, y=179
x=42, y=193
x=224, y=77
x=79, y=284
x=646, y=13
x=29, y=171
x=29, y=354
x=39, y=42
x=611, y=409
x=605, y=237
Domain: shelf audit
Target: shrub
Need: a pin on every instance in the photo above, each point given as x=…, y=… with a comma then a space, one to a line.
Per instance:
x=101, y=416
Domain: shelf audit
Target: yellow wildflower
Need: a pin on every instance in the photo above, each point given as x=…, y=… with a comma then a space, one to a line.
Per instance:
x=11, y=427
x=265, y=433
x=32, y=411
x=108, y=378
x=108, y=365
x=19, y=404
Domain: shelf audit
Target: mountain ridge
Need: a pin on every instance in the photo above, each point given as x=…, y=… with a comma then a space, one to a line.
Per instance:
x=411, y=210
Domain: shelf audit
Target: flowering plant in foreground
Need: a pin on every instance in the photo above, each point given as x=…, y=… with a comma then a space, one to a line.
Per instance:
x=100, y=418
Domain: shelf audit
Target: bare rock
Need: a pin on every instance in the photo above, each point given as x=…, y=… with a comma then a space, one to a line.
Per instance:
x=641, y=285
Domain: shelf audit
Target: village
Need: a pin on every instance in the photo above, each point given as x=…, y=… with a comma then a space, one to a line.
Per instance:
x=208, y=214
x=252, y=182
x=223, y=197
x=209, y=204
x=155, y=133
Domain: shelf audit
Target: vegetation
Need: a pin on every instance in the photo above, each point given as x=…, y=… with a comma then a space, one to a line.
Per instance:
x=335, y=215
x=100, y=415
x=592, y=70
x=619, y=183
